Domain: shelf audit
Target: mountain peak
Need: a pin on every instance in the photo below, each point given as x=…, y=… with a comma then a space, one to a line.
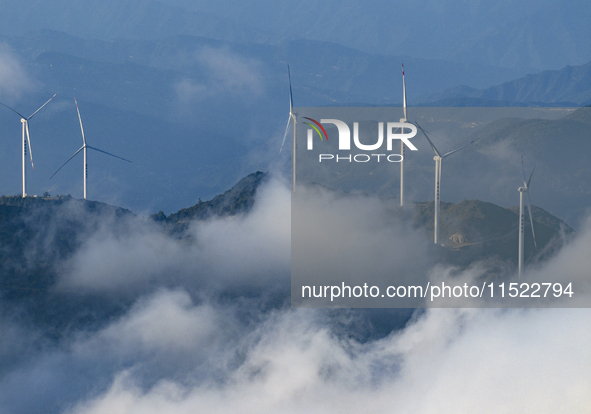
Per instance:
x=237, y=200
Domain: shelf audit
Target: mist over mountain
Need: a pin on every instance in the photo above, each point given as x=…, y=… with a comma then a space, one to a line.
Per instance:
x=132, y=315
x=43, y=238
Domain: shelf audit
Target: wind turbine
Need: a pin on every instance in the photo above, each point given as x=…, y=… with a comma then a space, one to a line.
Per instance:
x=292, y=116
x=84, y=148
x=524, y=189
x=438, y=158
x=25, y=129
x=401, y=142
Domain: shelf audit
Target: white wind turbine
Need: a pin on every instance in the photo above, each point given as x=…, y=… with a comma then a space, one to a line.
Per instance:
x=524, y=189
x=25, y=129
x=401, y=142
x=84, y=148
x=292, y=117
x=438, y=158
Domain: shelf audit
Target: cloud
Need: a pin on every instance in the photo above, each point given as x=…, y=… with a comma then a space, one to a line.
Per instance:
x=14, y=80
x=167, y=321
x=251, y=250
x=255, y=246
x=570, y=265
x=185, y=347
x=457, y=361
x=224, y=72
x=354, y=239
x=291, y=360
x=133, y=258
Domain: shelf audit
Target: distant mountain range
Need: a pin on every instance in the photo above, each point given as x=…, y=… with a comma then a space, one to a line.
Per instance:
x=527, y=35
x=112, y=19
x=195, y=114
x=570, y=86
x=556, y=148
x=323, y=73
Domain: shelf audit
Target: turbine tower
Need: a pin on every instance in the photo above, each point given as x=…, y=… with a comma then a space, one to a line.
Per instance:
x=292, y=117
x=524, y=189
x=401, y=142
x=438, y=158
x=84, y=148
x=25, y=130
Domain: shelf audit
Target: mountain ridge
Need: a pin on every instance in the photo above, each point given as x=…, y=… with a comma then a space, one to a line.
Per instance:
x=468, y=222
x=569, y=86
x=39, y=236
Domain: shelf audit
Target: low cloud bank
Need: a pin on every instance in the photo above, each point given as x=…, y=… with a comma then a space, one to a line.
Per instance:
x=182, y=346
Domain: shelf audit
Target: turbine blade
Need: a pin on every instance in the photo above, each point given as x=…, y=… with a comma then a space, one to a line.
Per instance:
x=290, y=91
x=531, y=220
x=80, y=119
x=66, y=162
x=461, y=148
x=523, y=171
x=532, y=173
x=403, y=92
x=29, y=141
x=108, y=153
x=285, y=135
x=430, y=143
x=22, y=116
x=41, y=107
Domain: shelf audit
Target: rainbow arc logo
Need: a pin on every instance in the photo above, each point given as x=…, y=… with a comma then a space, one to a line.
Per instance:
x=317, y=130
